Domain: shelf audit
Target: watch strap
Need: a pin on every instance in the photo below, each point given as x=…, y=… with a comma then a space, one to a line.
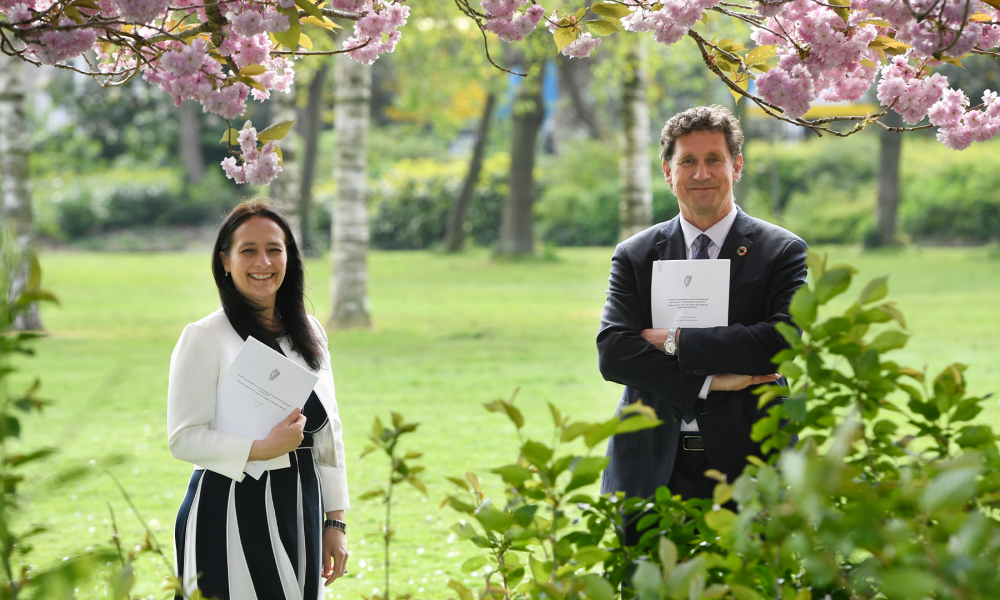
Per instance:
x=335, y=524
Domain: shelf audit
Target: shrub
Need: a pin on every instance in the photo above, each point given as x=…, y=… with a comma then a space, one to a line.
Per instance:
x=409, y=204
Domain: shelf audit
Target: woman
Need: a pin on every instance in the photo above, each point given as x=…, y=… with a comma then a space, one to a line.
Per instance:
x=239, y=537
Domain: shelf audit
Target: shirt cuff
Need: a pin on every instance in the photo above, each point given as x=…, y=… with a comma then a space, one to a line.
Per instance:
x=703, y=394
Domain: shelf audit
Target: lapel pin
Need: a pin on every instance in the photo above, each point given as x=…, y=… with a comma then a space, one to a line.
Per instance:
x=741, y=250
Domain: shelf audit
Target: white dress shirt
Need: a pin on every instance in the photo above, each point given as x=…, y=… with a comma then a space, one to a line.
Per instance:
x=717, y=233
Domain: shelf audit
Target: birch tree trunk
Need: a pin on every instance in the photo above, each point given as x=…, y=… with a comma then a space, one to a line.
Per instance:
x=312, y=125
x=890, y=148
x=189, y=140
x=635, y=208
x=455, y=234
x=352, y=97
x=516, y=236
x=15, y=190
x=285, y=190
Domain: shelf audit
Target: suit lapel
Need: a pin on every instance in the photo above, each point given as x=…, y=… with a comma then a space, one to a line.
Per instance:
x=737, y=245
x=671, y=243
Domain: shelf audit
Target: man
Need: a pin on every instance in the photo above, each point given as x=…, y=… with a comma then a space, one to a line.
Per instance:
x=699, y=381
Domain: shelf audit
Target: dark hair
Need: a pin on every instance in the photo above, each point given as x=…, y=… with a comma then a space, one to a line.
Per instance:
x=289, y=306
x=701, y=118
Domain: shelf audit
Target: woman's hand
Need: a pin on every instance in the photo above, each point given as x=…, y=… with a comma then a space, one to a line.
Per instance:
x=284, y=438
x=334, y=554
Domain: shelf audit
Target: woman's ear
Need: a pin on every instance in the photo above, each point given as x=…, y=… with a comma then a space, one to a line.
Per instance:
x=225, y=260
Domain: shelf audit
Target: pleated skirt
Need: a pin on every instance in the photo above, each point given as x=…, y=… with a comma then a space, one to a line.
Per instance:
x=260, y=539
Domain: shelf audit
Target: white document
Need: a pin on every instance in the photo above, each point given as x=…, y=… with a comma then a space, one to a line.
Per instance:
x=690, y=293
x=260, y=389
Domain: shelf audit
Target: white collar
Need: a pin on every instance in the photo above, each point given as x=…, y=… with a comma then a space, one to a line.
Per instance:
x=717, y=233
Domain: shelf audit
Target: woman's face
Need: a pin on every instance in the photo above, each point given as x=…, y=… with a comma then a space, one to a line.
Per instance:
x=256, y=260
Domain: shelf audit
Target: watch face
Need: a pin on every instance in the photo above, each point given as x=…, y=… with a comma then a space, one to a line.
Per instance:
x=670, y=347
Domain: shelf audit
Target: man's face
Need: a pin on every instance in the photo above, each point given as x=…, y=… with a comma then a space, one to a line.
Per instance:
x=701, y=173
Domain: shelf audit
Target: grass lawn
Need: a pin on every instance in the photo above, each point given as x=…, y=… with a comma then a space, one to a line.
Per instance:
x=451, y=333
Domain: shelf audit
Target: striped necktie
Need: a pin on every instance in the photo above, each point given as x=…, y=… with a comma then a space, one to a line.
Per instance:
x=701, y=252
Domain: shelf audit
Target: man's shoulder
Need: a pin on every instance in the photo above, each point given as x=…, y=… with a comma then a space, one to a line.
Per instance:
x=647, y=238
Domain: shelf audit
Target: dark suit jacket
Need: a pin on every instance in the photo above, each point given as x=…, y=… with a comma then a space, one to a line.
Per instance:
x=762, y=283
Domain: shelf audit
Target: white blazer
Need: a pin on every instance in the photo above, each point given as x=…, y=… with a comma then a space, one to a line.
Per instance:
x=202, y=356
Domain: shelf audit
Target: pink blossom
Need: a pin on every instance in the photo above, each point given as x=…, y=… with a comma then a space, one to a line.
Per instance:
x=582, y=46
x=141, y=11
x=55, y=46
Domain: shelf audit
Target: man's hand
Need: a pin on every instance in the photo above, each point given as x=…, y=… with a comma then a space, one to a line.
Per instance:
x=727, y=382
x=656, y=337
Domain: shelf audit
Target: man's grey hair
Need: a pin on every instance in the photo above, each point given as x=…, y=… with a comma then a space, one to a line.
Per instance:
x=701, y=118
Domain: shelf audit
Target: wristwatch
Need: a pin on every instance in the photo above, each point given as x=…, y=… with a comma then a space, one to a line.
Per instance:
x=670, y=346
x=335, y=524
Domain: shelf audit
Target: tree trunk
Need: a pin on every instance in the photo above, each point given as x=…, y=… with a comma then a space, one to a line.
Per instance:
x=189, y=141
x=890, y=145
x=352, y=96
x=528, y=111
x=286, y=188
x=312, y=125
x=15, y=190
x=455, y=234
x=574, y=76
x=636, y=206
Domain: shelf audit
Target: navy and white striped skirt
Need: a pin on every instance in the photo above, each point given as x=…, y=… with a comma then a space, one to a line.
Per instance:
x=258, y=539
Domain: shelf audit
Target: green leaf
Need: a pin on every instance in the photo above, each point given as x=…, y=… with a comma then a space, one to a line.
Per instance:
x=950, y=489
x=908, y=584
x=975, y=435
x=611, y=9
x=668, y=554
x=591, y=555
x=835, y=282
x=474, y=563
x=804, y=307
x=508, y=408
x=493, y=519
x=536, y=453
x=636, y=423
x=289, y=38
x=275, y=132
x=310, y=8
x=564, y=36
x=557, y=417
x=877, y=288
x=601, y=432
x=967, y=410
x=601, y=27
x=760, y=54
x=722, y=520
x=538, y=571
x=742, y=592
x=889, y=340
x=464, y=593
x=596, y=587
x=513, y=473
x=574, y=431
x=252, y=70
x=646, y=580
x=231, y=137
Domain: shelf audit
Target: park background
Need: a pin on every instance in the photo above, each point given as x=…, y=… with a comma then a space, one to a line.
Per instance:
x=127, y=191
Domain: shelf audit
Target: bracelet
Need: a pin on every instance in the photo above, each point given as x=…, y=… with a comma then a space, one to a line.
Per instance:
x=335, y=524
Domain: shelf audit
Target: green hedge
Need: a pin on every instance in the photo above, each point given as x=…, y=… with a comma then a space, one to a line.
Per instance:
x=76, y=207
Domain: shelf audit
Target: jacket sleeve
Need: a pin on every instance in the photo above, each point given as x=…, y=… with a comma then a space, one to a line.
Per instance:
x=329, y=441
x=191, y=394
x=624, y=356
x=747, y=350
